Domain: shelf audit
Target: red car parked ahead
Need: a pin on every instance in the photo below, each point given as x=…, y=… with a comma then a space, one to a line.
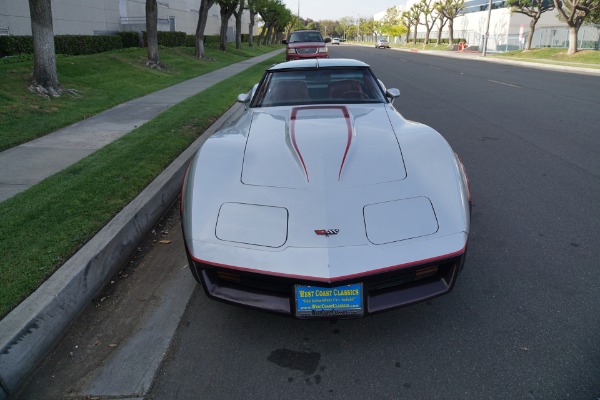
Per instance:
x=305, y=44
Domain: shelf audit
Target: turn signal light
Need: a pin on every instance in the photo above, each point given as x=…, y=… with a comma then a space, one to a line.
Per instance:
x=227, y=276
x=423, y=272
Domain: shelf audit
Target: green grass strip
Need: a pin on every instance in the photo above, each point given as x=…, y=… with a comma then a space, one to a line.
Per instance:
x=555, y=56
x=45, y=225
x=104, y=80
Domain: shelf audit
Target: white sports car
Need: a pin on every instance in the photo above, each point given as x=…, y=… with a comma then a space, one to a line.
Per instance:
x=323, y=201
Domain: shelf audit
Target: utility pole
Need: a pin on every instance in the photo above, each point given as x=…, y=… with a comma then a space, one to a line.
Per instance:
x=487, y=29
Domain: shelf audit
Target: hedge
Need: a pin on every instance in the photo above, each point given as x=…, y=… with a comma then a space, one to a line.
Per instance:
x=168, y=38
x=212, y=40
x=11, y=45
x=130, y=39
x=63, y=44
x=90, y=44
x=86, y=44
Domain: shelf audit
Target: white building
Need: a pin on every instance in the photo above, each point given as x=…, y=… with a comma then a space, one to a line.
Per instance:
x=507, y=30
x=89, y=17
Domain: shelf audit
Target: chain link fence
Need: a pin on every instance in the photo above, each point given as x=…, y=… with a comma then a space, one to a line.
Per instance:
x=588, y=38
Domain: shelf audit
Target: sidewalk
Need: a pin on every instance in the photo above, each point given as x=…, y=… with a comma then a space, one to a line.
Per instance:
x=23, y=166
x=32, y=329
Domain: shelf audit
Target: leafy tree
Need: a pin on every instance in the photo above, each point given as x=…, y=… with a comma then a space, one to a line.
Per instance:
x=391, y=23
x=283, y=20
x=205, y=5
x=430, y=15
x=442, y=22
x=415, y=17
x=238, y=24
x=45, y=76
x=368, y=27
x=227, y=8
x=407, y=20
x=574, y=13
x=327, y=27
x=270, y=11
x=362, y=28
x=252, y=10
x=450, y=10
x=152, y=34
x=594, y=16
x=351, y=31
x=533, y=9
x=345, y=23
x=310, y=24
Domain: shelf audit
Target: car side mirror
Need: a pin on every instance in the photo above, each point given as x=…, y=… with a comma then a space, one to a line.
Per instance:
x=284, y=42
x=392, y=94
x=244, y=98
x=327, y=40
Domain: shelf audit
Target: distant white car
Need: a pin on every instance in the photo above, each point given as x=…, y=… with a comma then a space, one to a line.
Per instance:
x=382, y=43
x=335, y=41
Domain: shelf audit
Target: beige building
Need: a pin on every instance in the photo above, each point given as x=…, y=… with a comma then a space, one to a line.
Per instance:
x=97, y=17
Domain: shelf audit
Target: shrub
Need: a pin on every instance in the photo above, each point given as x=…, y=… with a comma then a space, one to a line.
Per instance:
x=86, y=44
x=245, y=38
x=171, y=39
x=168, y=38
x=212, y=41
x=130, y=39
x=190, y=41
x=63, y=44
x=11, y=45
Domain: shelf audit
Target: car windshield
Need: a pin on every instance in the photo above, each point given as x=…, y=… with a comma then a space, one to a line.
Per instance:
x=305, y=37
x=318, y=86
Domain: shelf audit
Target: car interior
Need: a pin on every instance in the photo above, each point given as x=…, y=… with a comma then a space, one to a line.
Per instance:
x=320, y=87
x=305, y=37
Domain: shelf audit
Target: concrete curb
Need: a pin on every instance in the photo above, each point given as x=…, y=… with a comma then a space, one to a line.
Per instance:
x=36, y=325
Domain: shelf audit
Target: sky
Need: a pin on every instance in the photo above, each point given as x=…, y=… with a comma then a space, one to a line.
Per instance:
x=335, y=9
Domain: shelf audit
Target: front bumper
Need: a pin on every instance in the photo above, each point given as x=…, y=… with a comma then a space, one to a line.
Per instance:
x=381, y=292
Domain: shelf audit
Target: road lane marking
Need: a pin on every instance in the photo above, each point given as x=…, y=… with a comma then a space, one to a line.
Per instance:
x=431, y=66
x=505, y=84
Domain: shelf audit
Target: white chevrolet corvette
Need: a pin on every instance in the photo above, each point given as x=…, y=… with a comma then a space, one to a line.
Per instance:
x=323, y=201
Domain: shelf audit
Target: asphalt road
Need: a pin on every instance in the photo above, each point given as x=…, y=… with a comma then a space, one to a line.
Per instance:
x=523, y=321
x=524, y=318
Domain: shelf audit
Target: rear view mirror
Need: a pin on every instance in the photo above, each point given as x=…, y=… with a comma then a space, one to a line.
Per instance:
x=392, y=94
x=243, y=97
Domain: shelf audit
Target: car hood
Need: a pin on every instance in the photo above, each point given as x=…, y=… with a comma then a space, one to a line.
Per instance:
x=315, y=147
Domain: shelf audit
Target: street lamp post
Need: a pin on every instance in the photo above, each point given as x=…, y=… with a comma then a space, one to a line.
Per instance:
x=298, y=14
x=357, y=26
x=487, y=29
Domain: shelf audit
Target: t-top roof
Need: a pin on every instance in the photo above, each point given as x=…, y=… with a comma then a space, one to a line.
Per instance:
x=319, y=63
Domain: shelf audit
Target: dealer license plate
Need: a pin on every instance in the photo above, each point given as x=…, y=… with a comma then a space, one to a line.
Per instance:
x=315, y=301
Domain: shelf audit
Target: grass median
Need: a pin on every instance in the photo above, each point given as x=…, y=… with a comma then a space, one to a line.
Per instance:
x=104, y=80
x=45, y=225
x=556, y=56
